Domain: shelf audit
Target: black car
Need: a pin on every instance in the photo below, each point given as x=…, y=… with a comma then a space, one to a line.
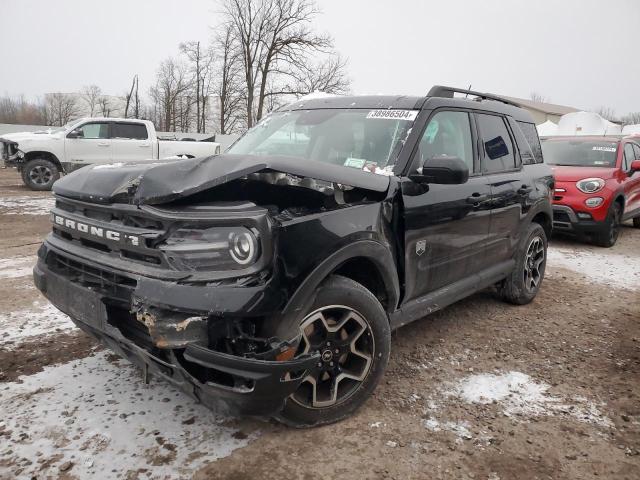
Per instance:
x=267, y=280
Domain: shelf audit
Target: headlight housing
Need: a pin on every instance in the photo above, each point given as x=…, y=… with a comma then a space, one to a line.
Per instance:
x=590, y=185
x=212, y=249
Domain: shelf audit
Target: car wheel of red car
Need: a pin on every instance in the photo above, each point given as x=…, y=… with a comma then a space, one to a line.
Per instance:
x=609, y=236
x=636, y=222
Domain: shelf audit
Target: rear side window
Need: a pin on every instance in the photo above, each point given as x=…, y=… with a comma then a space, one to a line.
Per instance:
x=531, y=134
x=132, y=131
x=636, y=149
x=497, y=145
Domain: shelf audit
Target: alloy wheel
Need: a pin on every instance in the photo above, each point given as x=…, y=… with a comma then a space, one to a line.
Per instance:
x=344, y=340
x=40, y=175
x=534, y=264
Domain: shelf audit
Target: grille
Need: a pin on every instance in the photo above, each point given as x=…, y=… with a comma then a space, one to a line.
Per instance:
x=111, y=284
x=561, y=217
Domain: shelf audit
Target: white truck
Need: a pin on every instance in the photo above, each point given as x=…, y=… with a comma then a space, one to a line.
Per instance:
x=43, y=156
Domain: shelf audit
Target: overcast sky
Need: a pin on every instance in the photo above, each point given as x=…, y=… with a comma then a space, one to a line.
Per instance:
x=580, y=53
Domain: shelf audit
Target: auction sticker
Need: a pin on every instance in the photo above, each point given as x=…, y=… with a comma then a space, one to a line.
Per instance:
x=604, y=149
x=393, y=114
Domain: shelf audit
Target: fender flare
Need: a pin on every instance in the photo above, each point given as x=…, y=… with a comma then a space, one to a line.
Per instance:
x=302, y=298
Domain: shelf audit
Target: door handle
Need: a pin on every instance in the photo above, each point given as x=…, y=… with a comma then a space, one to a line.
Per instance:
x=144, y=145
x=476, y=198
x=524, y=190
x=103, y=144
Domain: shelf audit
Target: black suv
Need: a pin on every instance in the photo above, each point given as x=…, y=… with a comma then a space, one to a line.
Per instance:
x=267, y=280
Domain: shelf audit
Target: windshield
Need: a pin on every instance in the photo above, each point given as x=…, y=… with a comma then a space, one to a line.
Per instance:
x=368, y=140
x=580, y=153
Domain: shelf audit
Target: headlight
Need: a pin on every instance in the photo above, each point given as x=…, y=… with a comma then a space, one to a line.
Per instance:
x=217, y=248
x=590, y=185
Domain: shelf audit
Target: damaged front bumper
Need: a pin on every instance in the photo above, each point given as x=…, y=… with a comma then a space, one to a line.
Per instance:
x=166, y=335
x=10, y=155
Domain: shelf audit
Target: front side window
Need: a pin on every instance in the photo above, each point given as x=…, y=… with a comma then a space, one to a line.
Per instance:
x=497, y=144
x=95, y=130
x=368, y=140
x=448, y=134
x=576, y=152
x=629, y=156
x=131, y=131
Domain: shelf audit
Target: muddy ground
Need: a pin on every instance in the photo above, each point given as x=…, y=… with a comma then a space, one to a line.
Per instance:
x=479, y=390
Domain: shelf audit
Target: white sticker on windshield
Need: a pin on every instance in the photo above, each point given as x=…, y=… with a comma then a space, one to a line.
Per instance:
x=604, y=149
x=393, y=114
x=354, y=162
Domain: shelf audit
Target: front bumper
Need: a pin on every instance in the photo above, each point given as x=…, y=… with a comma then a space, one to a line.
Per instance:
x=566, y=220
x=226, y=383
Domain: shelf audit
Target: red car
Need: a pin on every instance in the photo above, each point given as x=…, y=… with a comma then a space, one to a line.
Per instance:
x=597, y=185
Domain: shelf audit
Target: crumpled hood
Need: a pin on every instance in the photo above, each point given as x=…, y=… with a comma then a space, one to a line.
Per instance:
x=155, y=182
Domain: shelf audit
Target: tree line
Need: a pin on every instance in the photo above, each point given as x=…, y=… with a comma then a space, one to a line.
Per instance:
x=263, y=54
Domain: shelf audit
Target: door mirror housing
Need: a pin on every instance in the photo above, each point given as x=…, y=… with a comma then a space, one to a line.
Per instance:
x=635, y=166
x=77, y=133
x=442, y=170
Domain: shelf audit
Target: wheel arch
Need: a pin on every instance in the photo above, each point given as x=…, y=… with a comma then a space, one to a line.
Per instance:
x=37, y=154
x=545, y=221
x=365, y=261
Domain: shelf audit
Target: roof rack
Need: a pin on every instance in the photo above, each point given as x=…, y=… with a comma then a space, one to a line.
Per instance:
x=447, y=92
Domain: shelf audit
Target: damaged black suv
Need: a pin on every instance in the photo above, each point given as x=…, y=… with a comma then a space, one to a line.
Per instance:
x=267, y=280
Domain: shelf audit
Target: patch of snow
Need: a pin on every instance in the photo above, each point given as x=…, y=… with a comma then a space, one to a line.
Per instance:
x=104, y=166
x=26, y=205
x=99, y=416
x=42, y=319
x=460, y=429
x=520, y=395
x=15, y=267
x=611, y=269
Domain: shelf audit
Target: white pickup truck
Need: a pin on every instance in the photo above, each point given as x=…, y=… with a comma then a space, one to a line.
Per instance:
x=43, y=156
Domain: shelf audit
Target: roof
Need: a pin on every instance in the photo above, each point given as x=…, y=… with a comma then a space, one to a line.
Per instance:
x=586, y=138
x=551, y=108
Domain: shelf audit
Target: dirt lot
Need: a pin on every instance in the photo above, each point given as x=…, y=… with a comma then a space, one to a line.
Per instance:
x=480, y=390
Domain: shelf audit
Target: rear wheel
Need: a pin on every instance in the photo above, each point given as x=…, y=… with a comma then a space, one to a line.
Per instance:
x=609, y=236
x=636, y=222
x=531, y=260
x=40, y=174
x=350, y=330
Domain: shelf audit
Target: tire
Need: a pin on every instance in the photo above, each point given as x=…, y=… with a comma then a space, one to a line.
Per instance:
x=40, y=174
x=531, y=260
x=361, y=345
x=609, y=236
x=636, y=222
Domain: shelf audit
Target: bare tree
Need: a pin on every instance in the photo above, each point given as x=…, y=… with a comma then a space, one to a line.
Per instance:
x=21, y=111
x=606, y=112
x=104, y=106
x=271, y=35
x=60, y=108
x=90, y=95
x=201, y=65
x=229, y=86
x=537, y=97
x=170, y=85
x=632, y=118
x=132, y=99
x=328, y=76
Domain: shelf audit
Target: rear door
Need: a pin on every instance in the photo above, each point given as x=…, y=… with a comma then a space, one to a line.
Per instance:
x=510, y=188
x=446, y=226
x=632, y=183
x=131, y=141
x=92, y=146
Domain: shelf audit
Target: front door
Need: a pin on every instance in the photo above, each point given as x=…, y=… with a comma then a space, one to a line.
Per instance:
x=92, y=146
x=446, y=226
x=632, y=183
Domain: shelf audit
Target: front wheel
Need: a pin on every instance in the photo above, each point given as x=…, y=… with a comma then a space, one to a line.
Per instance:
x=531, y=260
x=609, y=236
x=40, y=174
x=350, y=330
x=636, y=222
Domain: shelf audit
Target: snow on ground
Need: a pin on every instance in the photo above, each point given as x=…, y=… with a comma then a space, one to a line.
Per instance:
x=26, y=205
x=520, y=395
x=607, y=268
x=42, y=319
x=99, y=416
x=14, y=267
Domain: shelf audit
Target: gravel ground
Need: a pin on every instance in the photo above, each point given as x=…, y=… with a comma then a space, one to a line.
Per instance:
x=479, y=390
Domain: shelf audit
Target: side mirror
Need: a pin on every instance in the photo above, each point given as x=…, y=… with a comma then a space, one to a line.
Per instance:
x=635, y=167
x=442, y=170
x=77, y=133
